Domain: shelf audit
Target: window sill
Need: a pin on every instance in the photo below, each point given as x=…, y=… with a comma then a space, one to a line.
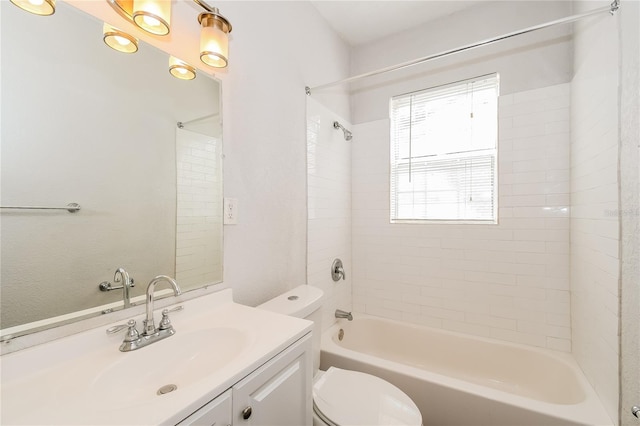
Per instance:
x=442, y=222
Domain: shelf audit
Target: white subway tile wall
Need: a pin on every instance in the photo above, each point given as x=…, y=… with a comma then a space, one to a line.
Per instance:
x=329, y=207
x=199, y=209
x=508, y=281
x=595, y=227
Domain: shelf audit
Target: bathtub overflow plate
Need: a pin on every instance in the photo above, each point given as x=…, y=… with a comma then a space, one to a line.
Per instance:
x=340, y=334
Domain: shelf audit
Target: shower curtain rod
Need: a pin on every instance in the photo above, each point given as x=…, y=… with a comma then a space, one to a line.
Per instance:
x=615, y=5
x=181, y=124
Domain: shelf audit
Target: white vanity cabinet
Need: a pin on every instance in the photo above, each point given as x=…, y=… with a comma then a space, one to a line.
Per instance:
x=216, y=412
x=278, y=393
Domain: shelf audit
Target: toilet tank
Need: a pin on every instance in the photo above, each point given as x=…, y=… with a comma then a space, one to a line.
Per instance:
x=304, y=301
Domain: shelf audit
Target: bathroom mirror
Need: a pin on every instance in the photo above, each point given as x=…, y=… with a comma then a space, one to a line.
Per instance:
x=82, y=123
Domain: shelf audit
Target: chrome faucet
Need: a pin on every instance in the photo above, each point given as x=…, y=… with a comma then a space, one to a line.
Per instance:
x=134, y=340
x=148, y=325
x=344, y=314
x=127, y=283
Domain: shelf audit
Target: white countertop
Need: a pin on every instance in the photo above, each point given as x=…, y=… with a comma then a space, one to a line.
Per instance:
x=85, y=379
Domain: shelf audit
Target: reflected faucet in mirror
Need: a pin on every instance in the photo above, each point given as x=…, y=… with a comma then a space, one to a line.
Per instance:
x=127, y=283
x=123, y=276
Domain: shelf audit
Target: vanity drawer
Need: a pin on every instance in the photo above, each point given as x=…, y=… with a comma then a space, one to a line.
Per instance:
x=216, y=412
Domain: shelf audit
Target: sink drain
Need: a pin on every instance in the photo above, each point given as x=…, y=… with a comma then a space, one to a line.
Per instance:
x=166, y=389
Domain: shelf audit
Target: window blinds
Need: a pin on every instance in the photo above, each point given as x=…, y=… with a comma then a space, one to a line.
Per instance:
x=443, y=152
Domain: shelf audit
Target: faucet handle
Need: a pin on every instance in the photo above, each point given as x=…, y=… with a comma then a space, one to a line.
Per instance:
x=176, y=309
x=132, y=332
x=165, y=322
x=116, y=328
x=337, y=270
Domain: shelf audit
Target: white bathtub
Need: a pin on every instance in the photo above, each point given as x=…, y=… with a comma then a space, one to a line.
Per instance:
x=462, y=380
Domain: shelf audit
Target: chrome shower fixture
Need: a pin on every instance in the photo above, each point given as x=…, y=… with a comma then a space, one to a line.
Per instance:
x=347, y=134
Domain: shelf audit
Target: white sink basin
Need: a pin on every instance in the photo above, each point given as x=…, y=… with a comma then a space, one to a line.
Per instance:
x=84, y=379
x=179, y=360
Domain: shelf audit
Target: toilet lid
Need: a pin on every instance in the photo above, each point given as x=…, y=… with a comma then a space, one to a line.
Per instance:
x=345, y=397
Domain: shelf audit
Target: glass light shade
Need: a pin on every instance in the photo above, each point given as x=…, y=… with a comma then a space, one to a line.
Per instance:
x=123, y=7
x=153, y=16
x=38, y=7
x=118, y=40
x=214, y=41
x=180, y=69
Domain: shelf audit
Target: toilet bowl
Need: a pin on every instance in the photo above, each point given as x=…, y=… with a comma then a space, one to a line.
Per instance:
x=344, y=397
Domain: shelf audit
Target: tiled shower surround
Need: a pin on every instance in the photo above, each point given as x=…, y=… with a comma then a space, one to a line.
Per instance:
x=508, y=281
x=595, y=224
x=329, y=207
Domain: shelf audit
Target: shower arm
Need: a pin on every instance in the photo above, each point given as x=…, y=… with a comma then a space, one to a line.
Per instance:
x=347, y=134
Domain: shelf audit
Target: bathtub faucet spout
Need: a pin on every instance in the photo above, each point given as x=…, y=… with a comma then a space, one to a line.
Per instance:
x=344, y=314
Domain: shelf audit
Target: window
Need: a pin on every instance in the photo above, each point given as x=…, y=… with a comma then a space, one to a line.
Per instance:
x=443, y=153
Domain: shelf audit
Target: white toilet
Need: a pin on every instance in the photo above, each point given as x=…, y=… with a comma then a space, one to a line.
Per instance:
x=344, y=397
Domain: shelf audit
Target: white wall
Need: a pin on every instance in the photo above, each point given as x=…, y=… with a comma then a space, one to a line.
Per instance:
x=277, y=49
x=508, y=281
x=595, y=227
x=526, y=62
x=329, y=207
x=630, y=208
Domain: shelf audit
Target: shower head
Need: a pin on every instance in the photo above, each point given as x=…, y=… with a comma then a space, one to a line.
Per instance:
x=347, y=134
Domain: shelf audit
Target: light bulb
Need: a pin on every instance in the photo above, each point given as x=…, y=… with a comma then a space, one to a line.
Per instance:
x=119, y=40
x=151, y=21
x=180, y=69
x=37, y=7
x=153, y=16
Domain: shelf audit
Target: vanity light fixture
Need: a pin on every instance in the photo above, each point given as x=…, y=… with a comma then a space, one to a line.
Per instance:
x=180, y=69
x=119, y=40
x=37, y=7
x=214, y=38
x=123, y=7
x=154, y=16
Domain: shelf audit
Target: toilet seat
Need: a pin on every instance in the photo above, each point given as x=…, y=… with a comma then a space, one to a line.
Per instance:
x=344, y=397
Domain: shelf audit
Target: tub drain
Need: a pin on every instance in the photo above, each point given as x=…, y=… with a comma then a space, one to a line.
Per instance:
x=166, y=389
